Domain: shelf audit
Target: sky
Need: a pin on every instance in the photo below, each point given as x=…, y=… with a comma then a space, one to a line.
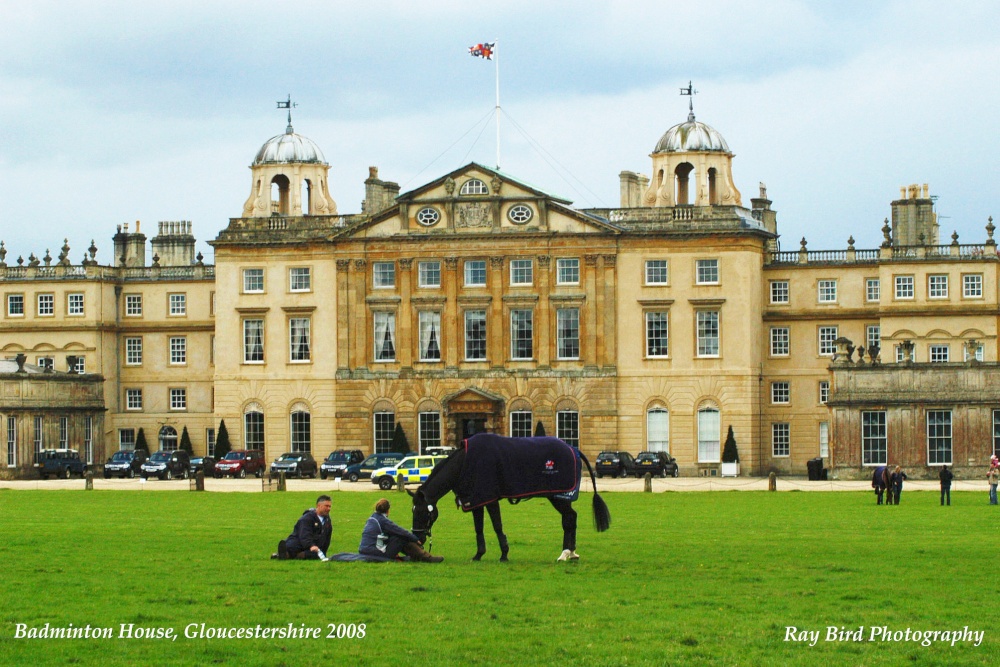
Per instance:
x=112, y=112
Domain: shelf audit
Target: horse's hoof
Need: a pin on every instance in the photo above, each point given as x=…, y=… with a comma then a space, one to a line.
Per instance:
x=565, y=555
x=477, y=557
x=503, y=558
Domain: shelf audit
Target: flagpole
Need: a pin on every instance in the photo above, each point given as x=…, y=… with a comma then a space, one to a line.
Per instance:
x=497, y=62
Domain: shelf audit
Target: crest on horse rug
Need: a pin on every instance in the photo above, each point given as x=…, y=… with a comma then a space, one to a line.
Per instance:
x=497, y=467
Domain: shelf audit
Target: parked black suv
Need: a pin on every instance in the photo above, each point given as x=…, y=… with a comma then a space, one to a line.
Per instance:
x=337, y=462
x=206, y=464
x=125, y=463
x=167, y=465
x=294, y=464
x=657, y=464
x=59, y=462
x=616, y=464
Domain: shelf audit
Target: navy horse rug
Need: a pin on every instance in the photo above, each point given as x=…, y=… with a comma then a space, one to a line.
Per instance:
x=498, y=467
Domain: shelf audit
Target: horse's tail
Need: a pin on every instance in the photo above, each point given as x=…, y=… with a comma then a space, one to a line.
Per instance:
x=602, y=517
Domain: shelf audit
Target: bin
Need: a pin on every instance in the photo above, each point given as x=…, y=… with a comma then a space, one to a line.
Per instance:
x=815, y=469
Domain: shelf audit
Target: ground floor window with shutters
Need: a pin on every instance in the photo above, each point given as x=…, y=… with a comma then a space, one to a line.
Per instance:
x=658, y=430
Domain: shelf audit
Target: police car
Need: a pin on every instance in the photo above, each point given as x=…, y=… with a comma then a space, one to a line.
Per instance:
x=415, y=469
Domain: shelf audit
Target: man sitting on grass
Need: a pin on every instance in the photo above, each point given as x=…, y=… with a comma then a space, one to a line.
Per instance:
x=310, y=538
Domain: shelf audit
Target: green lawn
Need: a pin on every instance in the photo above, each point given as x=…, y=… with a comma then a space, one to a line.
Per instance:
x=681, y=578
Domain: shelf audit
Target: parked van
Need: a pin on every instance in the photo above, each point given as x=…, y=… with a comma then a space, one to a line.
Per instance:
x=365, y=469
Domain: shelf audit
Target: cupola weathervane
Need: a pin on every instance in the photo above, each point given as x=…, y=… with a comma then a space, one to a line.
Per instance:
x=690, y=92
x=288, y=104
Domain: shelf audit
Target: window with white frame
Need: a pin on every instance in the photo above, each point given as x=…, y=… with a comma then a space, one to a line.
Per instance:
x=873, y=289
x=45, y=362
x=133, y=305
x=873, y=336
x=874, y=440
x=178, y=349
x=430, y=335
x=126, y=439
x=658, y=430
x=521, y=272
x=779, y=291
x=253, y=280
x=824, y=439
x=429, y=430
x=657, y=335
x=904, y=287
x=253, y=429
x=299, y=279
x=656, y=272
x=780, y=393
x=301, y=423
x=383, y=275
x=937, y=287
x=39, y=439
x=384, y=426
x=429, y=274
x=708, y=333
x=178, y=304
x=827, y=291
x=568, y=271
x=15, y=305
x=74, y=303
x=978, y=354
x=79, y=365
x=568, y=427
x=939, y=354
x=299, y=339
x=385, y=336
x=938, y=437
x=11, y=442
x=781, y=439
x=475, y=335
x=168, y=439
x=900, y=355
x=46, y=305
x=88, y=439
x=178, y=399
x=708, y=434
x=133, y=399
x=780, y=341
x=475, y=273
x=521, y=334
x=520, y=424
x=972, y=286
x=824, y=391
x=133, y=351
x=63, y=432
x=707, y=271
x=568, y=333
x=210, y=441
x=474, y=186
x=827, y=335
x=253, y=341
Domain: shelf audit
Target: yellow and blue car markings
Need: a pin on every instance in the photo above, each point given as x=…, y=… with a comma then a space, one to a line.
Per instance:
x=410, y=468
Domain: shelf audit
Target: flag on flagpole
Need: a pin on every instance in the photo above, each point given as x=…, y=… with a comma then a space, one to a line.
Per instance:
x=484, y=50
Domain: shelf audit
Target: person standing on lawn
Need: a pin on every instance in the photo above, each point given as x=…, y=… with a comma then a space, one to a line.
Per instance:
x=896, y=485
x=993, y=476
x=945, y=476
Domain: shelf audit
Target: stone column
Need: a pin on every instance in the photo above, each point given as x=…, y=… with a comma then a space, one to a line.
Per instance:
x=543, y=315
x=496, y=323
x=344, y=306
x=450, y=328
x=404, y=318
x=610, y=339
x=590, y=330
x=359, y=313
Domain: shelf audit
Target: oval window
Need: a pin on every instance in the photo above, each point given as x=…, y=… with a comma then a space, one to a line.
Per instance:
x=428, y=216
x=520, y=214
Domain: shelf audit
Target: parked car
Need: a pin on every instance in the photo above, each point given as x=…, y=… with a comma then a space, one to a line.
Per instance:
x=59, y=462
x=657, y=464
x=371, y=464
x=439, y=451
x=240, y=463
x=616, y=464
x=337, y=463
x=167, y=465
x=125, y=463
x=415, y=469
x=204, y=463
x=297, y=464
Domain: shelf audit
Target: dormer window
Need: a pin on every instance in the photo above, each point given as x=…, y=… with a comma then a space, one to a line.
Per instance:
x=474, y=187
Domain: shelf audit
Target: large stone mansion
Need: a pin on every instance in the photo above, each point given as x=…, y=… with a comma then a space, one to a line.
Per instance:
x=478, y=302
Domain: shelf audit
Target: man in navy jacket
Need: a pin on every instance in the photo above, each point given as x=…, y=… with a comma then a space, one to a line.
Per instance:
x=310, y=539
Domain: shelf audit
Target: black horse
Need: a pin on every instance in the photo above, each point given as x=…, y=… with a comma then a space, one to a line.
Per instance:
x=490, y=467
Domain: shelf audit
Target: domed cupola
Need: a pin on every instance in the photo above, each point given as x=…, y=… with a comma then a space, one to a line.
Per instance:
x=692, y=166
x=289, y=177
